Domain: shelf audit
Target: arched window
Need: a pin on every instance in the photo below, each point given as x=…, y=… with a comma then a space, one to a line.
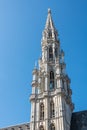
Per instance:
x=52, y=110
x=51, y=80
x=41, y=127
x=41, y=111
x=63, y=84
x=50, y=53
x=52, y=127
x=50, y=34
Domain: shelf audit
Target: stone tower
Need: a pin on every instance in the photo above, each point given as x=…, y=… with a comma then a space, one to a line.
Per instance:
x=51, y=103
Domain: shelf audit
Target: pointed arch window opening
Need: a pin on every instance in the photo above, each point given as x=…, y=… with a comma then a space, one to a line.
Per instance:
x=52, y=110
x=50, y=53
x=62, y=83
x=52, y=127
x=49, y=34
x=51, y=80
x=41, y=111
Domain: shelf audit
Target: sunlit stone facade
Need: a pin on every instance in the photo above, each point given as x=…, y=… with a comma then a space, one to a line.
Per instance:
x=51, y=103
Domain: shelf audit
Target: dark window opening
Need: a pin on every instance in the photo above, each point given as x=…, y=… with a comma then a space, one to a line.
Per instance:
x=52, y=111
x=41, y=111
x=50, y=34
x=63, y=84
x=51, y=80
x=50, y=53
x=41, y=128
x=52, y=127
x=51, y=84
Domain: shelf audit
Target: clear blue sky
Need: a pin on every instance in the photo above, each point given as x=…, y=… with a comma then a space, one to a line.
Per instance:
x=21, y=26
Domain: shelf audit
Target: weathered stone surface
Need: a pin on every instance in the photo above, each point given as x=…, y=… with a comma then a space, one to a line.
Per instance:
x=79, y=121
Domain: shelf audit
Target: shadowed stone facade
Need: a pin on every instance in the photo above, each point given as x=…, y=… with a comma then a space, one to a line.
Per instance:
x=79, y=121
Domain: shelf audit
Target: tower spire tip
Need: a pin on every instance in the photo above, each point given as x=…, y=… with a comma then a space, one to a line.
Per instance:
x=49, y=10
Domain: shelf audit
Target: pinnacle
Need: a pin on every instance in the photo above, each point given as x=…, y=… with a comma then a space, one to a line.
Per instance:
x=50, y=30
x=49, y=22
x=49, y=10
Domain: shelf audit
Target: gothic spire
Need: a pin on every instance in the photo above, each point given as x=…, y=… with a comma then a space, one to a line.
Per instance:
x=49, y=21
x=50, y=30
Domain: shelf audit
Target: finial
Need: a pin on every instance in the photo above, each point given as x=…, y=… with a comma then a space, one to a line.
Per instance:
x=49, y=10
x=35, y=64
